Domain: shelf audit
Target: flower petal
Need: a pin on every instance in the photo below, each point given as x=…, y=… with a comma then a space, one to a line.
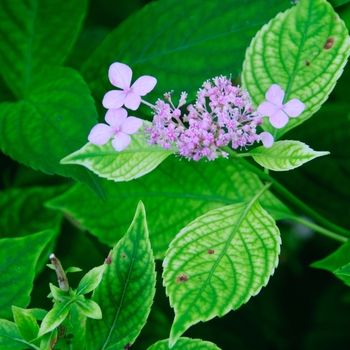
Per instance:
x=114, y=99
x=267, y=139
x=275, y=94
x=279, y=119
x=267, y=109
x=144, y=85
x=100, y=134
x=131, y=125
x=120, y=75
x=116, y=117
x=132, y=101
x=294, y=107
x=121, y=141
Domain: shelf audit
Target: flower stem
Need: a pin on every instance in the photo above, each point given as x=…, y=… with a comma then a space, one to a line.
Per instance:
x=335, y=230
x=61, y=275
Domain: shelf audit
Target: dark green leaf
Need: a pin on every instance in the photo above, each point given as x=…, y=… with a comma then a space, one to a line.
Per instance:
x=175, y=194
x=17, y=268
x=27, y=324
x=10, y=338
x=184, y=344
x=126, y=291
x=181, y=43
x=36, y=34
x=53, y=121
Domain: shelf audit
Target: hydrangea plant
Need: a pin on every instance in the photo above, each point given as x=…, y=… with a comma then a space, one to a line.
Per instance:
x=192, y=167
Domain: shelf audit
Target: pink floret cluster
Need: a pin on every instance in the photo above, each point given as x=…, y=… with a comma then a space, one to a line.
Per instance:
x=222, y=115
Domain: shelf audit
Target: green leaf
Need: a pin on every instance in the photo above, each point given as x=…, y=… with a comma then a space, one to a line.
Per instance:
x=211, y=38
x=336, y=3
x=17, y=269
x=34, y=37
x=73, y=269
x=135, y=161
x=304, y=50
x=91, y=280
x=38, y=314
x=218, y=262
x=10, y=338
x=55, y=316
x=53, y=121
x=58, y=293
x=48, y=340
x=27, y=324
x=89, y=308
x=285, y=155
x=343, y=271
x=126, y=291
x=78, y=322
x=335, y=261
x=175, y=194
x=184, y=344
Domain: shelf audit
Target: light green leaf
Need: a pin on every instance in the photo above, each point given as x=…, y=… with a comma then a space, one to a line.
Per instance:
x=218, y=262
x=78, y=323
x=38, y=314
x=55, y=316
x=335, y=261
x=181, y=43
x=126, y=291
x=175, y=194
x=73, y=269
x=48, y=340
x=58, y=293
x=31, y=39
x=184, y=344
x=91, y=280
x=27, y=325
x=10, y=338
x=52, y=121
x=17, y=269
x=285, y=155
x=304, y=50
x=89, y=308
x=135, y=161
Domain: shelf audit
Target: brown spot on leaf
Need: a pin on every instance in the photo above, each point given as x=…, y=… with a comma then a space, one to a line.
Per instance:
x=123, y=255
x=182, y=278
x=127, y=346
x=329, y=43
x=307, y=63
x=108, y=260
x=210, y=251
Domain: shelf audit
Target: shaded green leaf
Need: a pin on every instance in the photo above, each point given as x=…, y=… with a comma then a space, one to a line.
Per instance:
x=217, y=262
x=48, y=340
x=73, y=269
x=30, y=37
x=89, y=308
x=126, y=291
x=184, y=344
x=91, y=280
x=27, y=324
x=38, y=314
x=285, y=155
x=335, y=261
x=181, y=43
x=17, y=269
x=343, y=271
x=303, y=50
x=53, y=121
x=135, y=161
x=175, y=194
x=10, y=338
x=78, y=322
x=55, y=316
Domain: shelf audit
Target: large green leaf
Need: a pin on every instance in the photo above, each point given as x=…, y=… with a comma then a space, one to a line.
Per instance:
x=184, y=344
x=285, y=155
x=304, y=51
x=17, y=269
x=126, y=291
x=135, y=161
x=175, y=194
x=33, y=36
x=217, y=262
x=181, y=43
x=10, y=338
x=52, y=121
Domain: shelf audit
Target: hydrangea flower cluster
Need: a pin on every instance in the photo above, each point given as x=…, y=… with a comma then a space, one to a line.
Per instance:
x=222, y=115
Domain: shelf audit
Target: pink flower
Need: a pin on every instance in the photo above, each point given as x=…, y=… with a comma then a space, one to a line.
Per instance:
x=266, y=138
x=120, y=76
x=277, y=111
x=119, y=125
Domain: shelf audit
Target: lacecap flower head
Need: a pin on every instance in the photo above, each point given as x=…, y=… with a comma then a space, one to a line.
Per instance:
x=276, y=110
x=130, y=96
